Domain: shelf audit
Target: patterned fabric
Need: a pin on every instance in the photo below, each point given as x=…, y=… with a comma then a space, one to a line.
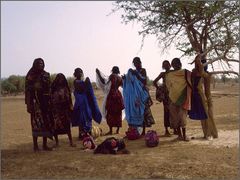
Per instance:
x=178, y=116
x=61, y=109
x=114, y=103
x=151, y=138
x=148, y=117
x=37, y=97
x=135, y=98
x=179, y=87
x=133, y=133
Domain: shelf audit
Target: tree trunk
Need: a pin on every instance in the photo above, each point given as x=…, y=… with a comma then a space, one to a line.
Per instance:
x=207, y=88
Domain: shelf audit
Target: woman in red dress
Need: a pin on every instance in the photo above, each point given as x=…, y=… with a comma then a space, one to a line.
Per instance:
x=114, y=100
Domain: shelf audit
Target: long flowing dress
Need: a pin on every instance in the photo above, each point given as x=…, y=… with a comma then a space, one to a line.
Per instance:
x=135, y=98
x=197, y=111
x=200, y=109
x=61, y=109
x=179, y=87
x=37, y=96
x=114, y=103
x=85, y=107
x=148, y=117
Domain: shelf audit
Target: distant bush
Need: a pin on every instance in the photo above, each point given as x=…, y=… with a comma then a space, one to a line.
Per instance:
x=13, y=85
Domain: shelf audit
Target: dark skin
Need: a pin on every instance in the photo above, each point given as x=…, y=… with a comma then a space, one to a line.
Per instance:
x=138, y=67
x=78, y=75
x=198, y=69
x=102, y=80
x=61, y=84
x=39, y=67
x=181, y=132
x=166, y=65
x=176, y=65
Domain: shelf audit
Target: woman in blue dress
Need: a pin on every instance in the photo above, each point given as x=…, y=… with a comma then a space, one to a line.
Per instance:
x=85, y=107
x=201, y=105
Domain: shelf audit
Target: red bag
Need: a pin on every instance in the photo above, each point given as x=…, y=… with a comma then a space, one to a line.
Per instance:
x=132, y=133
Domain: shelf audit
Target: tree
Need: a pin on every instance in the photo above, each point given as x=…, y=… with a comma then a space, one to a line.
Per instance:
x=210, y=28
x=7, y=87
x=18, y=82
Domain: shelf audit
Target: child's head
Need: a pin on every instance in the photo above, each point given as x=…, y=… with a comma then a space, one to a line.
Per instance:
x=166, y=65
x=121, y=144
x=78, y=73
x=176, y=64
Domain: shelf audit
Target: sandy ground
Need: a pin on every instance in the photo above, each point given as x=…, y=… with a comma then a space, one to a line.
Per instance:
x=198, y=158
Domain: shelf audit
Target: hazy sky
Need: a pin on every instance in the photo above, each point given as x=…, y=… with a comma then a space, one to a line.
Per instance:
x=73, y=34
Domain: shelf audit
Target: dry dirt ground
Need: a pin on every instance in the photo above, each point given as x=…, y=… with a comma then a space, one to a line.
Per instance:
x=198, y=158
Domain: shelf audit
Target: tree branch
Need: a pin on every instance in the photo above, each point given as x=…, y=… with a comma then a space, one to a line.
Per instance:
x=223, y=72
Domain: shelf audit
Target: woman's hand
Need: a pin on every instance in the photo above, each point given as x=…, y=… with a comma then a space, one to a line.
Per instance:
x=97, y=71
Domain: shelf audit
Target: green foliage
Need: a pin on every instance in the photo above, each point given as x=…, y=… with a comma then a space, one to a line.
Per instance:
x=192, y=26
x=16, y=84
x=13, y=84
x=7, y=87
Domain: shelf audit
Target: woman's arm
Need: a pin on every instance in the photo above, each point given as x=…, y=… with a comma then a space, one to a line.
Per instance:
x=99, y=75
x=157, y=79
x=143, y=77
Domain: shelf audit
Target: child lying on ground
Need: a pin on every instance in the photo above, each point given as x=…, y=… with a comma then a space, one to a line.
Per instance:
x=111, y=146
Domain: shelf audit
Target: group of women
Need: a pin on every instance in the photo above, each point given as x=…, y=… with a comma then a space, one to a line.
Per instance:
x=186, y=93
x=52, y=111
